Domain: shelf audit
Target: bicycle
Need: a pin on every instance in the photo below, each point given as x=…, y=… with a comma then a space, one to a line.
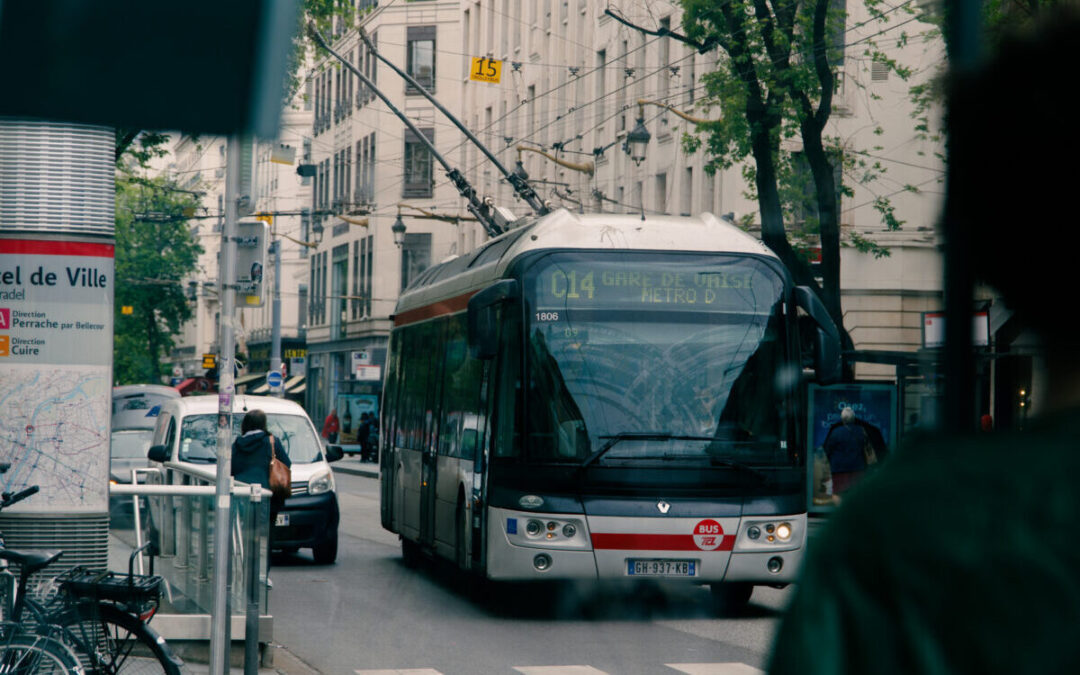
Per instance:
x=101, y=616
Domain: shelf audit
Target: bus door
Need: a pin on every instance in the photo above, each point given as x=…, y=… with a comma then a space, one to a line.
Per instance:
x=430, y=447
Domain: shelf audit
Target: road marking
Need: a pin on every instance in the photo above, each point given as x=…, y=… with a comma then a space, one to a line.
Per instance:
x=715, y=668
x=558, y=670
x=401, y=671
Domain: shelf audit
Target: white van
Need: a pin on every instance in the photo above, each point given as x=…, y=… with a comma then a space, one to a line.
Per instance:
x=186, y=434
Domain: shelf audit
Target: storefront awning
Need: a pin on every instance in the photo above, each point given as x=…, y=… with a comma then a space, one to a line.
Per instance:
x=250, y=377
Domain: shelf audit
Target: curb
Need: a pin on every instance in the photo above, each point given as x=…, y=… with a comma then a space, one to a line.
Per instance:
x=356, y=469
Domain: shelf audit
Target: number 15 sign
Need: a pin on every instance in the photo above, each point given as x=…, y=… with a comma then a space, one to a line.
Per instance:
x=485, y=70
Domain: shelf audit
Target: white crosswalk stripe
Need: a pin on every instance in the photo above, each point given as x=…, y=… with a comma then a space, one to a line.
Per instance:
x=715, y=668
x=688, y=668
x=401, y=671
x=558, y=670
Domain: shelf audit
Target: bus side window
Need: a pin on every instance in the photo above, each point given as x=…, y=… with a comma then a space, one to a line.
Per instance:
x=507, y=394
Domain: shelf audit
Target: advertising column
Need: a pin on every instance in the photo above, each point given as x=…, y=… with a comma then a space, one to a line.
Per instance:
x=57, y=220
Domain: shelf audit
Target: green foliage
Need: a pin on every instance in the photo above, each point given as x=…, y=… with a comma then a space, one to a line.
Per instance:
x=323, y=14
x=155, y=250
x=870, y=246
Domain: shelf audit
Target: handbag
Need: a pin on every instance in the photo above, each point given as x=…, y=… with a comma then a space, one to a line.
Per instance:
x=280, y=475
x=868, y=450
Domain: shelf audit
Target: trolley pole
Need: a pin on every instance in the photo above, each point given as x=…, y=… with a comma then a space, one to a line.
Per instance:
x=220, y=618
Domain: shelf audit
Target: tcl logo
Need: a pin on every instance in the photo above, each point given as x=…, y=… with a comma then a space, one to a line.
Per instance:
x=708, y=535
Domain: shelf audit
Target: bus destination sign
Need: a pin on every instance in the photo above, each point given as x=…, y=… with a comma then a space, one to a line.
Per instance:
x=726, y=287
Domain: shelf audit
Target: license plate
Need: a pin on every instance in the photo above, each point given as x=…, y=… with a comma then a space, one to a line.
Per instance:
x=661, y=568
x=282, y=520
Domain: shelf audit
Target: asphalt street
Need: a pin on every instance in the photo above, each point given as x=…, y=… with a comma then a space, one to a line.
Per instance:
x=369, y=614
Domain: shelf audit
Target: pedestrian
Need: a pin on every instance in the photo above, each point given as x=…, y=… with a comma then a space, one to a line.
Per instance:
x=363, y=433
x=846, y=448
x=251, y=454
x=331, y=426
x=956, y=556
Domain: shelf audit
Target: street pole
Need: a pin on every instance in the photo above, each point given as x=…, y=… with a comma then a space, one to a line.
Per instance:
x=221, y=616
x=275, y=318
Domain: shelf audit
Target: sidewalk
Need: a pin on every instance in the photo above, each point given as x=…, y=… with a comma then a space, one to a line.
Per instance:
x=351, y=464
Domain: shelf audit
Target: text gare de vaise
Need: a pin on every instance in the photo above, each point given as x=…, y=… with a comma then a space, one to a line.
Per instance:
x=648, y=287
x=75, y=277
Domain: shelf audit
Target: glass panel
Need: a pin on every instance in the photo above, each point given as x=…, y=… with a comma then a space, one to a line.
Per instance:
x=687, y=351
x=198, y=437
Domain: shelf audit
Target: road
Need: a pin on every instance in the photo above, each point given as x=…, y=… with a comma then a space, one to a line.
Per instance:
x=370, y=614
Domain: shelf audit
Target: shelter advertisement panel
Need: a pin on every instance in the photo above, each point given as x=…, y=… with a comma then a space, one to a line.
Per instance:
x=872, y=432
x=56, y=338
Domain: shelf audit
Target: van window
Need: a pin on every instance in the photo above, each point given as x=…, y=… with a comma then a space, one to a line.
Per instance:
x=198, y=437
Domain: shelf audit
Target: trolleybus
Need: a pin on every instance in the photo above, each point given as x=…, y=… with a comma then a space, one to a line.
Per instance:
x=601, y=396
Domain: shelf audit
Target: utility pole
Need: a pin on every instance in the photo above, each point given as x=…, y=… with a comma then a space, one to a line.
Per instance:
x=220, y=617
x=275, y=319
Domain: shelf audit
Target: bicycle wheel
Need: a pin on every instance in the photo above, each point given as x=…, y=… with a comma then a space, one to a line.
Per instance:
x=111, y=641
x=27, y=654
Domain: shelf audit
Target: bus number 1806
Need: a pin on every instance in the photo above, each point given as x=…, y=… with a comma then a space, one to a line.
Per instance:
x=547, y=316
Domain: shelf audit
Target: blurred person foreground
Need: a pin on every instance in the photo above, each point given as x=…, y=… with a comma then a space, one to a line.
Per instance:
x=957, y=556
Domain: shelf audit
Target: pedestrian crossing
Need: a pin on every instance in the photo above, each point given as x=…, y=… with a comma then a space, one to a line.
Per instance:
x=686, y=668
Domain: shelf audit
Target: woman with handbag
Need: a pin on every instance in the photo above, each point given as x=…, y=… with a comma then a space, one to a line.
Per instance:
x=253, y=454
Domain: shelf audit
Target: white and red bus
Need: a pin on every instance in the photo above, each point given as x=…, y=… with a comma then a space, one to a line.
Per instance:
x=598, y=396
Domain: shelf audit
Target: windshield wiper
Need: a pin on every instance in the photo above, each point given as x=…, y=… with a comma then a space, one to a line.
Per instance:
x=730, y=463
x=637, y=436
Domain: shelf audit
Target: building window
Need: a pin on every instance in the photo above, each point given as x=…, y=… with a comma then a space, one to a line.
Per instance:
x=686, y=201
x=665, y=60
x=660, y=199
x=369, y=274
x=356, y=273
x=415, y=256
x=418, y=165
x=339, y=287
x=420, y=57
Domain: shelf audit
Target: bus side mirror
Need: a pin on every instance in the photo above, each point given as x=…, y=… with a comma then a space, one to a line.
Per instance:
x=483, y=317
x=826, y=338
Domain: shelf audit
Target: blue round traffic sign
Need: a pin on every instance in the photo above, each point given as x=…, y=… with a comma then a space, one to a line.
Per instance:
x=274, y=379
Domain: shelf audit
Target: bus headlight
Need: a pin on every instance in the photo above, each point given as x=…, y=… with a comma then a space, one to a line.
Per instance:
x=547, y=531
x=783, y=531
x=320, y=483
x=778, y=534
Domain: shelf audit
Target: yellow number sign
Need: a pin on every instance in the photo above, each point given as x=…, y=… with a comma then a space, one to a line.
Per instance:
x=485, y=70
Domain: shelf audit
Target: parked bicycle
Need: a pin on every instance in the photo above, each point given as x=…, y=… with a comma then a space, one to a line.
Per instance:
x=98, y=617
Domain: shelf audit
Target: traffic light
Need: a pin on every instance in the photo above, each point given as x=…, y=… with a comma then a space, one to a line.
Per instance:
x=252, y=241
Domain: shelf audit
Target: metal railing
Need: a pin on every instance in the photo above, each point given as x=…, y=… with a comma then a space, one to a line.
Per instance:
x=173, y=509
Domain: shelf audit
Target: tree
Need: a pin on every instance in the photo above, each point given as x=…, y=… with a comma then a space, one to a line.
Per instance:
x=155, y=251
x=777, y=83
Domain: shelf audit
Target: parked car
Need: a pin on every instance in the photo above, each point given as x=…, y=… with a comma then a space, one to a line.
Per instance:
x=136, y=406
x=127, y=451
x=186, y=437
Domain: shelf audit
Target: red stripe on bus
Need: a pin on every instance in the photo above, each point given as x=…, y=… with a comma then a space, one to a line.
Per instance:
x=33, y=247
x=440, y=308
x=653, y=542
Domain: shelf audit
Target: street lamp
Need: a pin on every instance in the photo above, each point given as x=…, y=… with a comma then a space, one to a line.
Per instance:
x=636, y=141
x=398, y=228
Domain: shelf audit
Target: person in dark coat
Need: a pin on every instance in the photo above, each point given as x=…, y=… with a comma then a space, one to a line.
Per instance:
x=251, y=458
x=845, y=447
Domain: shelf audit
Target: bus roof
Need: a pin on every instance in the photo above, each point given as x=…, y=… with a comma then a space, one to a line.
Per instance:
x=563, y=230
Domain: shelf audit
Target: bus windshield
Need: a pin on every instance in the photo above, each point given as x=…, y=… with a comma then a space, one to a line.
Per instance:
x=668, y=359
